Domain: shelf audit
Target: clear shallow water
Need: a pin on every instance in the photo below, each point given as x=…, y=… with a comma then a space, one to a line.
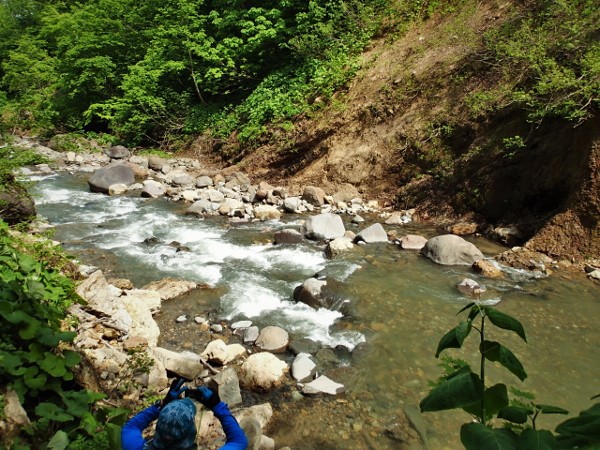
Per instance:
x=403, y=305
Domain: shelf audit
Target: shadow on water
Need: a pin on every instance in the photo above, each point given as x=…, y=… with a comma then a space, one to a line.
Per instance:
x=402, y=304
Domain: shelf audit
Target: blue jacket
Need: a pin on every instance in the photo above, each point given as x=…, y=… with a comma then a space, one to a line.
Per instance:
x=132, y=439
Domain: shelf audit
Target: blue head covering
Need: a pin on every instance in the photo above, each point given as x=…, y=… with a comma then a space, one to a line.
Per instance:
x=175, y=428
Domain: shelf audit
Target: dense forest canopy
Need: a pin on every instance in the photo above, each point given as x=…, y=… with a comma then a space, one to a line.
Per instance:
x=148, y=72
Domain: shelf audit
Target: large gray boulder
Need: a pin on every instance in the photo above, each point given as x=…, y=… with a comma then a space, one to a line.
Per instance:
x=288, y=236
x=273, y=339
x=117, y=152
x=102, y=179
x=338, y=246
x=314, y=195
x=374, y=233
x=324, y=226
x=263, y=371
x=450, y=249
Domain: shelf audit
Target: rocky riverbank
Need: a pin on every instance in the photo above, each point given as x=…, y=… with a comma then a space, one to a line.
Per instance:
x=118, y=336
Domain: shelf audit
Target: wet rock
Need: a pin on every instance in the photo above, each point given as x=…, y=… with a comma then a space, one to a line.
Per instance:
x=273, y=339
x=102, y=179
x=303, y=367
x=412, y=242
x=304, y=345
x=522, y=258
x=241, y=324
x=450, y=249
x=263, y=371
x=185, y=364
x=487, y=269
x=310, y=293
x=324, y=226
x=470, y=287
x=117, y=152
x=357, y=219
x=323, y=385
x=374, y=233
x=288, y=236
x=314, y=195
x=338, y=246
x=169, y=288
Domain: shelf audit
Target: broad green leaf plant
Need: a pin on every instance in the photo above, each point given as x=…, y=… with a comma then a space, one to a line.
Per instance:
x=463, y=388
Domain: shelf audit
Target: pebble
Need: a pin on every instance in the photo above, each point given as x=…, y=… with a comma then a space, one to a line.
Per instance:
x=216, y=328
x=181, y=319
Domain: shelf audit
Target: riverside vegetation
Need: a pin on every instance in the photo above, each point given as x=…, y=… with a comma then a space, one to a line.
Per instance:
x=461, y=387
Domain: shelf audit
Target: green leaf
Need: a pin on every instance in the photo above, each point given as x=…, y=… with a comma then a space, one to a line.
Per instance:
x=505, y=321
x=476, y=436
x=537, y=440
x=549, y=409
x=496, y=352
x=495, y=397
x=53, y=364
x=59, y=441
x=34, y=379
x=581, y=430
x=455, y=337
x=514, y=414
x=114, y=435
x=469, y=305
x=52, y=412
x=455, y=392
x=89, y=424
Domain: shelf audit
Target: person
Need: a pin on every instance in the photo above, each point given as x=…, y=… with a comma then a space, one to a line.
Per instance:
x=175, y=426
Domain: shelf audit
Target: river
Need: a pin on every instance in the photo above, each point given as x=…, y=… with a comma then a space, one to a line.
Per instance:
x=403, y=304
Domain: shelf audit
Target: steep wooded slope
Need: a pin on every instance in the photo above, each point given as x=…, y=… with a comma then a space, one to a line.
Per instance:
x=411, y=131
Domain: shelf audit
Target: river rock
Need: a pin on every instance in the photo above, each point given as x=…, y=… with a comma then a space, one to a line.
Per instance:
x=201, y=208
x=149, y=299
x=470, y=287
x=273, y=339
x=595, y=275
x=156, y=163
x=374, y=233
x=230, y=206
x=304, y=345
x=261, y=413
x=241, y=324
x=450, y=249
x=138, y=160
x=263, y=189
x=463, y=228
x=292, y=204
x=263, y=371
x=338, y=246
x=143, y=324
x=229, y=386
x=346, y=193
x=303, y=367
x=102, y=179
x=314, y=196
x=487, y=269
x=412, y=242
x=117, y=152
x=219, y=353
x=169, y=288
x=288, y=236
x=324, y=227
x=240, y=179
x=310, y=293
x=182, y=179
x=251, y=335
x=509, y=235
x=153, y=189
x=102, y=297
x=117, y=189
x=323, y=385
x=204, y=181
x=267, y=212
x=398, y=218
x=185, y=364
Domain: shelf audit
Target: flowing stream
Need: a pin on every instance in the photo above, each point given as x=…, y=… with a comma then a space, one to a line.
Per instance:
x=402, y=306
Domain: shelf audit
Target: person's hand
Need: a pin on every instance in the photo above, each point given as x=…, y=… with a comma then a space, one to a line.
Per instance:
x=175, y=391
x=207, y=396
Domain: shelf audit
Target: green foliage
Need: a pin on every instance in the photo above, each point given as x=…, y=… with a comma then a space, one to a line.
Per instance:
x=12, y=158
x=460, y=387
x=35, y=360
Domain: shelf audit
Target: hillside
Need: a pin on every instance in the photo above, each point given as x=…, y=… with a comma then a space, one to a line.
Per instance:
x=407, y=131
